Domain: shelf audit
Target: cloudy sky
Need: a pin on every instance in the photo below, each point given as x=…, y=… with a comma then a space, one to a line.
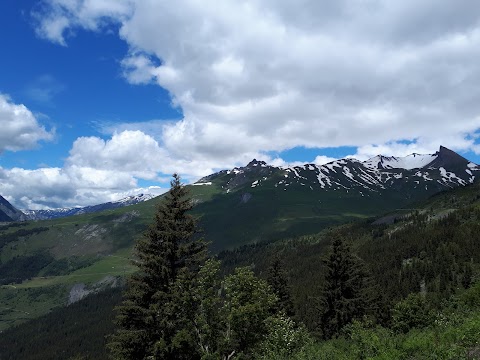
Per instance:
x=104, y=98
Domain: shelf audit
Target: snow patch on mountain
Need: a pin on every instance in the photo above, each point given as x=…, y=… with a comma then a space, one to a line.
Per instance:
x=323, y=179
x=409, y=162
x=334, y=164
x=134, y=199
x=448, y=176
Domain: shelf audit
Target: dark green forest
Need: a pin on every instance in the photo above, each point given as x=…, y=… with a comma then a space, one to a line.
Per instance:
x=75, y=331
x=406, y=288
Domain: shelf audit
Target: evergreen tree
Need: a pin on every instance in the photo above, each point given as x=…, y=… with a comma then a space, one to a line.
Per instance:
x=278, y=281
x=346, y=289
x=467, y=275
x=155, y=319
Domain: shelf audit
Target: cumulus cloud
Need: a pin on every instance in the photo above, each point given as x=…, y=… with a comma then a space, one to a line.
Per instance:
x=57, y=19
x=99, y=170
x=322, y=159
x=267, y=75
x=129, y=151
x=96, y=171
x=20, y=129
x=261, y=76
x=136, y=153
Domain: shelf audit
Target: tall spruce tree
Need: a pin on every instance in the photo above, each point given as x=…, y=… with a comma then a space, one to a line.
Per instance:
x=278, y=280
x=346, y=290
x=156, y=316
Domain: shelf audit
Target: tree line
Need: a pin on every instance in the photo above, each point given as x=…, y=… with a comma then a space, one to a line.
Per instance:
x=180, y=306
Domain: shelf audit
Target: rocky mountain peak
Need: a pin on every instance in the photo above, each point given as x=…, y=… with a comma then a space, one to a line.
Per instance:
x=447, y=158
x=255, y=163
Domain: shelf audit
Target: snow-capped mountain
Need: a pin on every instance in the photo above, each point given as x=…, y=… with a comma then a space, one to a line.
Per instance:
x=413, y=161
x=426, y=173
x=63, y=212
x=259, y=202
x=383, y=182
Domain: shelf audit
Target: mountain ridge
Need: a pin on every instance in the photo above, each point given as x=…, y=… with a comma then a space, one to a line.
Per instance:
x=441, y=170
x=260, y=202
x=64, y=212
x=408, y=176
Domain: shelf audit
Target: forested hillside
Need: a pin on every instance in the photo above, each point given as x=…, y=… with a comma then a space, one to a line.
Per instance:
x=253, y=204
x=420, y=274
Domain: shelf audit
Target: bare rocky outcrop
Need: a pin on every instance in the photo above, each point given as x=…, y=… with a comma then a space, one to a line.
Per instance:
x=80, y=290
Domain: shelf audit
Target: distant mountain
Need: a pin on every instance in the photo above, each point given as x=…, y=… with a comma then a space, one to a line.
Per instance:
x=64, y=212
x=260, y=202
x=429, y=173
x=8, y=212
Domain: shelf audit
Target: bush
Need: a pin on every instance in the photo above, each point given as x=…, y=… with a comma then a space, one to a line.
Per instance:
x=283, y=338
x=413, y=312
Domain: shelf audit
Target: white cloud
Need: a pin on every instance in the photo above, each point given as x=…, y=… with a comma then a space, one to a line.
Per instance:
x=322, y=159
x=96, y=171
x=128, y=151
x=139, y=154
x=99, y=170
x=55, y=19
x=266, y=75
x=20, y=130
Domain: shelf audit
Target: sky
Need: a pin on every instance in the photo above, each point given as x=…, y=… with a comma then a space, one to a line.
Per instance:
x=100, y=99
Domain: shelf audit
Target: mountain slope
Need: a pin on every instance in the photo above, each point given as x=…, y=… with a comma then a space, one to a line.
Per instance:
x=260, y=202
x=8, y=212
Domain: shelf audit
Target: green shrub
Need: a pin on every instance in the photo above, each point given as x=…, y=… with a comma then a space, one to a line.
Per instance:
x=413, y=312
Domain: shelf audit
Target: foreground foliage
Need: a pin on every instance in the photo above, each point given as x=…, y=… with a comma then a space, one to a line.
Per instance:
x=424, y=265
x=452, y=334
x=154, y=317
x=177, y=306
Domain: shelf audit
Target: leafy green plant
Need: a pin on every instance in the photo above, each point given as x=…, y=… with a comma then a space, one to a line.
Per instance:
x=413, y=312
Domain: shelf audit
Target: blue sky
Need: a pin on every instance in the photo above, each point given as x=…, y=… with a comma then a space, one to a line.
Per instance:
x=74, y=88
x=102, y=99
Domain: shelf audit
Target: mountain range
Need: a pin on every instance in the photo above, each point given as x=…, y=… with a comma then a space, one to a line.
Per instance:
x=9, y=213
x=261, y=202
x=430, y=173
x=408, y=178
x=64, y=212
